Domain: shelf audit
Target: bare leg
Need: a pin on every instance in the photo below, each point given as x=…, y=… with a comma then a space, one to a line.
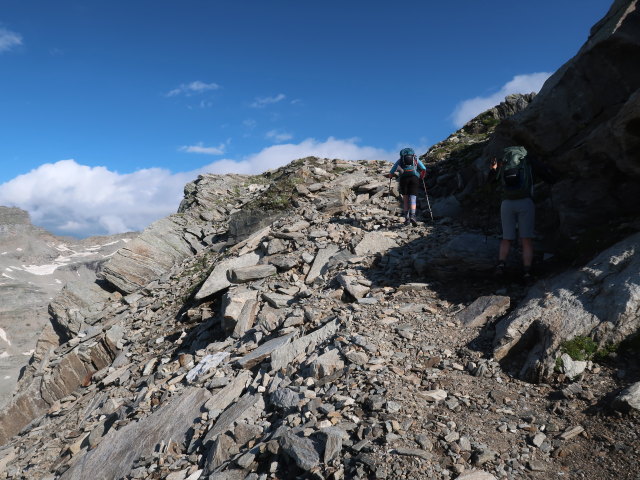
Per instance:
x=505, y=245
x=527, y=252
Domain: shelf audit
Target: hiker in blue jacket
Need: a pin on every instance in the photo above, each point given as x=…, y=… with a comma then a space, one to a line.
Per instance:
x=411, y=172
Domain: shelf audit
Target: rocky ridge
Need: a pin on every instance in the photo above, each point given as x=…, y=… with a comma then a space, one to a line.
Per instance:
x=303, y=333
x=312, y=348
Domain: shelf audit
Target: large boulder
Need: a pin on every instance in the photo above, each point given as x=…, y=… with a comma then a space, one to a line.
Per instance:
x=599, y=300
x=585, y=122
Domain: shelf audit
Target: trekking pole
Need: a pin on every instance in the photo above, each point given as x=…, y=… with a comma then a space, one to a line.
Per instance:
x=389, y=194
x=427, y=195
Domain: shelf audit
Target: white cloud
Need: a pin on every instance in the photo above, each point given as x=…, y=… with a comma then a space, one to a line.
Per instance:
x=200, y=148
x=262, y=102
x=278, y=155
x=9, y=40
x=193, y=88
x=68, y=198
x=72, y=199
x=278, y=136
x=469, y=109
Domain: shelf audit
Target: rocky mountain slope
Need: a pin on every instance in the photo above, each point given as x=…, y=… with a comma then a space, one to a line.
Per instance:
x=311, y=348
x=35, y=266
x=287, y=325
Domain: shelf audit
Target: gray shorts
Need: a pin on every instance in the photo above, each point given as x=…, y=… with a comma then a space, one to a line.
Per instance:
x=517, y=212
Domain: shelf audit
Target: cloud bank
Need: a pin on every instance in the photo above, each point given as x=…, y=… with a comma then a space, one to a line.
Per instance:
x=68, y=198
x=469, y=109
x=9, y=40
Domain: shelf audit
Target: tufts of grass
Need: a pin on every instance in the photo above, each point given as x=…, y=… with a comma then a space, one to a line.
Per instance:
x=580, y=348
x=585, y=348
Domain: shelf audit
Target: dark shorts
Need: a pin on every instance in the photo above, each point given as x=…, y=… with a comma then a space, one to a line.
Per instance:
x=520, y=214
x=409, y=185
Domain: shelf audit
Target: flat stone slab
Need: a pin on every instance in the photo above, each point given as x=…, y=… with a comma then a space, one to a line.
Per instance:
x=264, y=351
x=301, y=450
x=281, y=357
x=277, y=300
x=435, y=395
x=475, y=475
x=218, y=279
x=373, y=243
x=248, y=274
x=484, y=308
x=320, y=262
x=351, y=285
x=230, y=415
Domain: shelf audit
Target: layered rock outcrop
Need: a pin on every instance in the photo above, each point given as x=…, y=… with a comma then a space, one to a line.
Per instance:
x=600, y=300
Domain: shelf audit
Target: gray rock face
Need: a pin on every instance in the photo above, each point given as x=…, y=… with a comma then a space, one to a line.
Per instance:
x=585, y=122
x=35, y=265
x=467, y=252
x=154, y=252
x=447, y=207
x=599, y=300
x=62, y=379
x=78, y=304
x=247, y=274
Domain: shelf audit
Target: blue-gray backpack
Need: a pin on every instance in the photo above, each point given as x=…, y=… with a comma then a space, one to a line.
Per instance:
x=515, y=174
x=408, y=161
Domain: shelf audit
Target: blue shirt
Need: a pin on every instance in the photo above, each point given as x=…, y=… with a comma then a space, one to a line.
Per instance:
x=397, y=165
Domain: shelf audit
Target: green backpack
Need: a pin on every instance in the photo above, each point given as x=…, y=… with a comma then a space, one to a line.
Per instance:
x=515, y=174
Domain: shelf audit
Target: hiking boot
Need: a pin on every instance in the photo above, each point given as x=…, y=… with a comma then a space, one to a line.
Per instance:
x=527, y=276
x=413, y=220
x=407, y=221
x=500, y=268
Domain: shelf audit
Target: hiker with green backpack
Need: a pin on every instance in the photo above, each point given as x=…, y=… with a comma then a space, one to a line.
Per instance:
x=411, y=171
x=515, y=173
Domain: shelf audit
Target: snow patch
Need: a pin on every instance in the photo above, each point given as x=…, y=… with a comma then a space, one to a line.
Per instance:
x=40, y=269
x=3, y=336
x=4, y=355
x=29, y=353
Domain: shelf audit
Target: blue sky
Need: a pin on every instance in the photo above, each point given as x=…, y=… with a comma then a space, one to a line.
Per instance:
x=110, y=107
